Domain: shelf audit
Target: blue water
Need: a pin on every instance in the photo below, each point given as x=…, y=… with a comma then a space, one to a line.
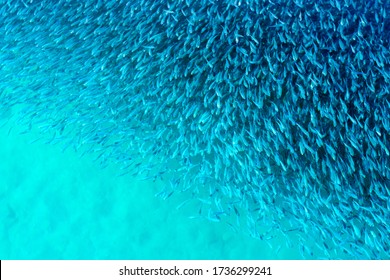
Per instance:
x=58, y=205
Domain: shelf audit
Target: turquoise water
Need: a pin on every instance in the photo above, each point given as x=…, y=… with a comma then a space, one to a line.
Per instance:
x=58, y=205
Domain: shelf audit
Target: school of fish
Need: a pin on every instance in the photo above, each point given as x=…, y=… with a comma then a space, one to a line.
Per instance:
x=274, y=112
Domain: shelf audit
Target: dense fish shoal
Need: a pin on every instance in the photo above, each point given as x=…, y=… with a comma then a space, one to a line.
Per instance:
x=271, y=110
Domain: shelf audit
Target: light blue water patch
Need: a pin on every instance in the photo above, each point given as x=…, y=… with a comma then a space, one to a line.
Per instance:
x=56, y=205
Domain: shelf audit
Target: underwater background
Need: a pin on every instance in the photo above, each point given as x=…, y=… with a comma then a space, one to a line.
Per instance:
x=195, y=129
x=56, y=205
